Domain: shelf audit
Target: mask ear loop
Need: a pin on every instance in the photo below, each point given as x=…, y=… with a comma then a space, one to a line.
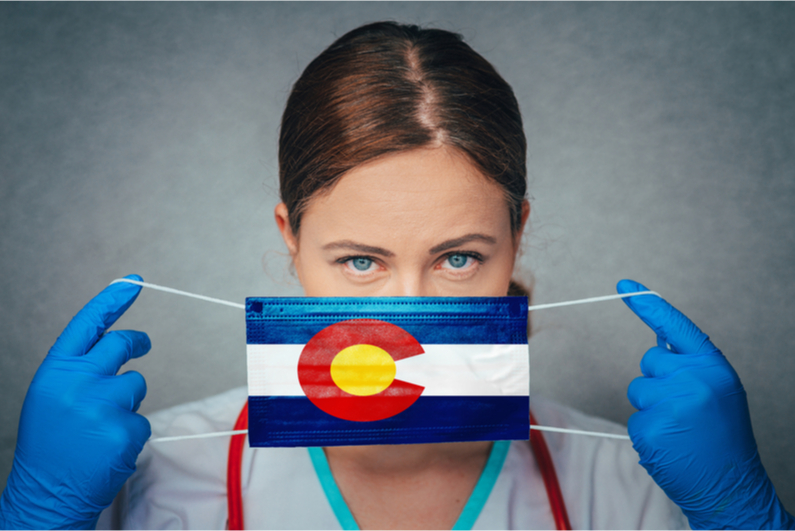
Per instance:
x=180, y=292
x=591, y=299
x=529, y=309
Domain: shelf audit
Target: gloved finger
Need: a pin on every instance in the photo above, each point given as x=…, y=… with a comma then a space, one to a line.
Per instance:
x=636, y=392
x=670, y=325
x=126, y=427
x=643, y=428
x=117, y=348
x=651, y=427
x=95, y=318
x=125, y=390
x=139, y=430
x=659, y=362
x=658, y=434
x=644, y=393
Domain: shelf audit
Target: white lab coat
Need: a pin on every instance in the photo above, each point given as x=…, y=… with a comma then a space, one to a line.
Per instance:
x=182, y=484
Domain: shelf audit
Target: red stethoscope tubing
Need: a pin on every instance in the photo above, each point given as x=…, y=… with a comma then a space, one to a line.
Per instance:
x=234, y=497
x=547, y=468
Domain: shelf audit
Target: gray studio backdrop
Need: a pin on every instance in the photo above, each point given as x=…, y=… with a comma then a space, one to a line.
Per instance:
x=141, y=138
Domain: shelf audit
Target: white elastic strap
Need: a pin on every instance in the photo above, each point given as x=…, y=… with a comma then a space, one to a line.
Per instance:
x=530, y=308
x=200, y=436
x=532, y=427
x=580, y=432
x=591, y=299
x=179, y=292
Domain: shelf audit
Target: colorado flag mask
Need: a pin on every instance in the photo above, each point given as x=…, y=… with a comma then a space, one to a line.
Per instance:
x=386, y=370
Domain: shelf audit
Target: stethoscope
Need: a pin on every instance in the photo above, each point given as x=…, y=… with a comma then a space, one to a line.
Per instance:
x=234, y=497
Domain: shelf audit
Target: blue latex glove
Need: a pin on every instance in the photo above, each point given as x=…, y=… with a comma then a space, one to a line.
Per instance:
x=693, y=430
x=79, y=435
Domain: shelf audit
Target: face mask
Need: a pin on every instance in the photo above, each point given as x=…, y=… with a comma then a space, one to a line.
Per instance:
x=387, y=370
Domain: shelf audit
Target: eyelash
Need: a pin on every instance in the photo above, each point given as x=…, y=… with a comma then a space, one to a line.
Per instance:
x=342, y=261
x=471, y=254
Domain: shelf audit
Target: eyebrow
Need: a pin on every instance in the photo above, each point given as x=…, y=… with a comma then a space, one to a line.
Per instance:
x=371, y=249
x=449, y=244
x=360, y=247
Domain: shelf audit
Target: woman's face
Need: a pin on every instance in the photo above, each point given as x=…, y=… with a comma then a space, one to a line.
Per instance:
x=419, y=223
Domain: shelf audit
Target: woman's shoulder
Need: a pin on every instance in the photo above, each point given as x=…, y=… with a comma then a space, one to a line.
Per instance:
x=182, y=483
x=190, y=473
x=601, y=479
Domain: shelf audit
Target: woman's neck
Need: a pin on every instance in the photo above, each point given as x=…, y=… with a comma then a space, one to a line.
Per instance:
x=412, y=486
x=407, y=458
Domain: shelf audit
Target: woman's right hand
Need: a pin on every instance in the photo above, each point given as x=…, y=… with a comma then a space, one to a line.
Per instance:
x=693, y=428
x=79, y=433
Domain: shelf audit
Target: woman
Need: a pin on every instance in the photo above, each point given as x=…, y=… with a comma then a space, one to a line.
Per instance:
x=402, y=169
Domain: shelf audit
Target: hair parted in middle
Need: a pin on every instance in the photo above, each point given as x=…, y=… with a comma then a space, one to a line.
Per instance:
x=387, y=87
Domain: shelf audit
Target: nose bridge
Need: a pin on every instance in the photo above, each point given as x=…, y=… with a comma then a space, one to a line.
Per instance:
x=412, y=286
x=409, y=283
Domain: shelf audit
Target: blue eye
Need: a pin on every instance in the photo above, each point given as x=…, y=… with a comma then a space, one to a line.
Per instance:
x=361, y=264
x=457, y=261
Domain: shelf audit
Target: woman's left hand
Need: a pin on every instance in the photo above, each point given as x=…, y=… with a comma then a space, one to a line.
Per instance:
x=693, y=429
x=79, y=433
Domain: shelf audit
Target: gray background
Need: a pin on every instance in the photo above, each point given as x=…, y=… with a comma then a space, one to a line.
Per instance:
x=142, y=138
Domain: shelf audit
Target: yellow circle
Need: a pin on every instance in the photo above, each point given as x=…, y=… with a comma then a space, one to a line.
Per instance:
x=363, y=370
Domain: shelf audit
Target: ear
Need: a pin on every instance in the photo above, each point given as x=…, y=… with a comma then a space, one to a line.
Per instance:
x=522, y=223
x=283, y=223
x=525, y=213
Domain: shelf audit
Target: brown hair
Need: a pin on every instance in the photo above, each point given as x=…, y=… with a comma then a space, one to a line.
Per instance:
x=387, y=87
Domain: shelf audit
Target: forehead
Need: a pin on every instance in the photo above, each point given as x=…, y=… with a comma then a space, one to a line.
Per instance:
x=419, y=194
